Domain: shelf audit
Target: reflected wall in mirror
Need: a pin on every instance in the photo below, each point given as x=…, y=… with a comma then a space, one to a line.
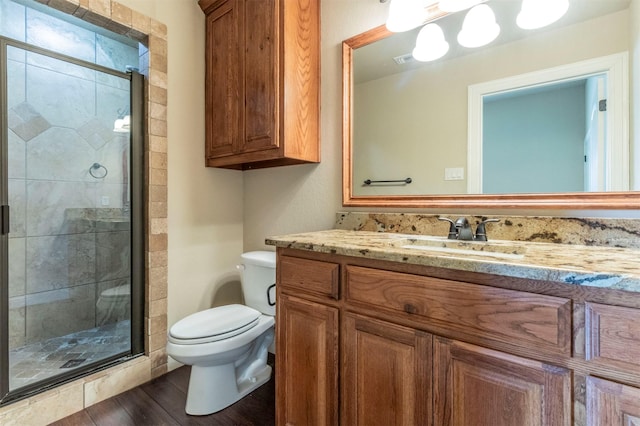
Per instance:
x=405, y=118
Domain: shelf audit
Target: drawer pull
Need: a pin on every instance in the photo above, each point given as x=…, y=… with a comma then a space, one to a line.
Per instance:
x=410, y=309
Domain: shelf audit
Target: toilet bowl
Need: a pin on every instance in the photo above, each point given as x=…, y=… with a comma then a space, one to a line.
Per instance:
x=227, y=346
x=114, y=305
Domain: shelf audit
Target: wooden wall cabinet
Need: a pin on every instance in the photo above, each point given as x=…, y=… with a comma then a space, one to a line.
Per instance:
x=448, y=349
x=262, y=88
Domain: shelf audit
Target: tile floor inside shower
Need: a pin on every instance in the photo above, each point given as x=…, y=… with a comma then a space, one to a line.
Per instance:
x=42, y=360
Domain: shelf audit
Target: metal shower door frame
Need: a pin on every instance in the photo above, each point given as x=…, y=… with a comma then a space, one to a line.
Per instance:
x=137, y=212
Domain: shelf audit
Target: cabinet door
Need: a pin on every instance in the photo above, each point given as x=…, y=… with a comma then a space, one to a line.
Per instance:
x=386, y=375
x=482, y=387
x=260, y=80
x=612, y=335
x=307, y=362
x=612, y=404
x=223, y=91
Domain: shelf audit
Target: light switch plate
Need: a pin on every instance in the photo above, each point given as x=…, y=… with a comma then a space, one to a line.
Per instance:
x=454, y=173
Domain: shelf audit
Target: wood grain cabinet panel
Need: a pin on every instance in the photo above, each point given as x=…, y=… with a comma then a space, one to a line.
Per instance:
x=262, y=82
x=482, y=387
x=525, y=319
x=307, y=363
x=385, y=374
x=612, y=404
x=224, y=91
x=309, y=276
x=260, y=76
x=612, y=334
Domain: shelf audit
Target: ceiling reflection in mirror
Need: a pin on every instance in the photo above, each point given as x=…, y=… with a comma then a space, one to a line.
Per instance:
x=411, y=119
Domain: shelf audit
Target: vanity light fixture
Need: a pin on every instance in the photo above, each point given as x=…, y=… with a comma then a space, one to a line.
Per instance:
x=430, y=44
x=479, y=27
x=457, y=5
x=405, y=15
x=540, y=13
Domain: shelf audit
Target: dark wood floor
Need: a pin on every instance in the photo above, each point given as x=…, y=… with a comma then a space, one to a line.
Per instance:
x=161, y=402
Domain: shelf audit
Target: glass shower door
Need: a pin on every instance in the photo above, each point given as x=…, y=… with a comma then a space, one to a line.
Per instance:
x=69, y=245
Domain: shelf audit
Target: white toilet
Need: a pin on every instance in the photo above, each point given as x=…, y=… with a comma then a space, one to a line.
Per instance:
x=114, y=305
x=227, y=346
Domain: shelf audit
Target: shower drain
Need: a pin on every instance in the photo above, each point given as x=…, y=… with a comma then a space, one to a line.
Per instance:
x=73, y=363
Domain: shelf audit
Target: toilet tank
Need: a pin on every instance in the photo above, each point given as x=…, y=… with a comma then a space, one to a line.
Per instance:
x=258, y=280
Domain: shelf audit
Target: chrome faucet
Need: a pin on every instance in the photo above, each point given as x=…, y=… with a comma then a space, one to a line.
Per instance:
x=481, y=233
x=453, y=231
x=461, y=229
x=464, y=229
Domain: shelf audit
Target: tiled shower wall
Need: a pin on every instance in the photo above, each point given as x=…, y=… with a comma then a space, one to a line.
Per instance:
x=68, y=242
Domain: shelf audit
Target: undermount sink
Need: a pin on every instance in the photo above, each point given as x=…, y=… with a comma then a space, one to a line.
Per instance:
x=497, y=249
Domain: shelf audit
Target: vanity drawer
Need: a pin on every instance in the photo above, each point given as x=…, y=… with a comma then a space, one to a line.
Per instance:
x=310, y=276
x=519, y=318
x=612, y=334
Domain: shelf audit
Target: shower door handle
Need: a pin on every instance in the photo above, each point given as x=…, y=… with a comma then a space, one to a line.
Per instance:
x=4, y=223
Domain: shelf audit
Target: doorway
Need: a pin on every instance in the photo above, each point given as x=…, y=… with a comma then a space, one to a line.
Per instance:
x=613, y=161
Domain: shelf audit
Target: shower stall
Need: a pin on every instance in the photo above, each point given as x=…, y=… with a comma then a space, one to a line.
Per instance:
x=71, y=192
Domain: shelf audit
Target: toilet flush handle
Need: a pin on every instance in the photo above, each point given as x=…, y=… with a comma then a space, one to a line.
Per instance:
x=269, y=295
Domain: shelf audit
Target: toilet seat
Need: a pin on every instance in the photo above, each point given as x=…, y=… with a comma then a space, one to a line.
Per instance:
x=214, y=324
x=185, y=352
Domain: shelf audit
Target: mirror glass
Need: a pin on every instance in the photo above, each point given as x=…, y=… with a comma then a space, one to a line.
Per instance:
x=535, y=112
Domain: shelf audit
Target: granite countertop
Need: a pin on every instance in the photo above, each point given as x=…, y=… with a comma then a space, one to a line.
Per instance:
x=594, y=266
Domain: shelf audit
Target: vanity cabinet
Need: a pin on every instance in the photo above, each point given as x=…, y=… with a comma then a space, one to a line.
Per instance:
x=262, y=82
x=368, y=342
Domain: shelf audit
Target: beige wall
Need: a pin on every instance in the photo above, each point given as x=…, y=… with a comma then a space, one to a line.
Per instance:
x=204, y=204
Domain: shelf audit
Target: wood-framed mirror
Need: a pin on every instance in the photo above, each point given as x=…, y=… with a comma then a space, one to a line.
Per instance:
x=593, y=197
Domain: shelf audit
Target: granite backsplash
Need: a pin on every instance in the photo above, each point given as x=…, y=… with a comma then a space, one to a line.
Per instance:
x=609, y=232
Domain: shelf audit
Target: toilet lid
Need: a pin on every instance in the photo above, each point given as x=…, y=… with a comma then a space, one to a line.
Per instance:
x=214, y=322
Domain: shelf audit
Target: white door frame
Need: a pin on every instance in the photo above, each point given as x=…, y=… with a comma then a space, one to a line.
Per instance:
x=615, y=67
